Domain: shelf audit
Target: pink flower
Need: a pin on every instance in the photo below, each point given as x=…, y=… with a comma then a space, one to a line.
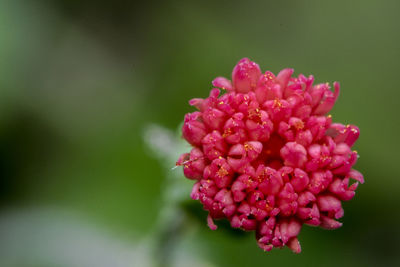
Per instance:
x=267, y=158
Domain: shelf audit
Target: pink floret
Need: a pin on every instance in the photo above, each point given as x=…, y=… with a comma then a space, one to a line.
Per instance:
x=267, y=157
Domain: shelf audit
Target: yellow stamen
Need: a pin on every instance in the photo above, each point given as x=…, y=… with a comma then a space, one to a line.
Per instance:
x=299, y=125
x=277, y=103
x=248, y=147
x=222, y=172
x=227, y=132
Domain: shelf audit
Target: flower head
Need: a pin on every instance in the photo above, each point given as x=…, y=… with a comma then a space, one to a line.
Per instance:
x=267, y=158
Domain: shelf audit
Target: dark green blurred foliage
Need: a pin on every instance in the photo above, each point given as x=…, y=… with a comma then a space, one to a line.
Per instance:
x=80, y=79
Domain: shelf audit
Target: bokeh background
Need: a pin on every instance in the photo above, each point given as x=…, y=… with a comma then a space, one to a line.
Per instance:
x=86, y=85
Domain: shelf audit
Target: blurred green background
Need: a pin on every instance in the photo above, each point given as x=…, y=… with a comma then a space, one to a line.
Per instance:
x=81, y=80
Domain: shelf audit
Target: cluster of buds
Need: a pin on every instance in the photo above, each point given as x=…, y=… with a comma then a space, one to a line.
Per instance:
x=267, y=158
